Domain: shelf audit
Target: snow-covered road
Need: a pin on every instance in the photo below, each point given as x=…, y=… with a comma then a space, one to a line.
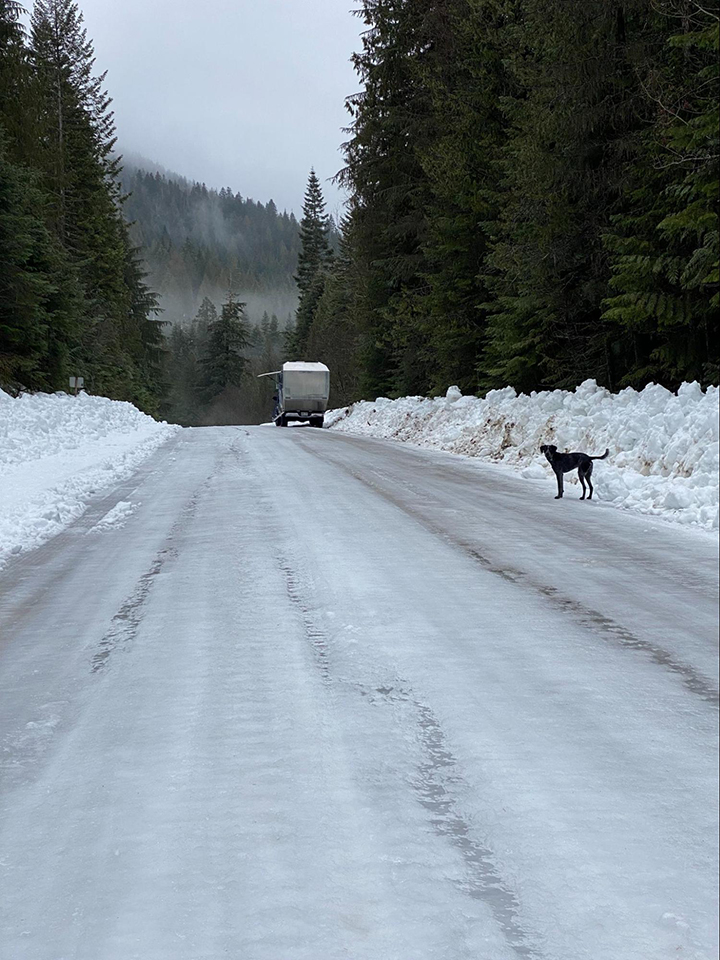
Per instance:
x=298, y=695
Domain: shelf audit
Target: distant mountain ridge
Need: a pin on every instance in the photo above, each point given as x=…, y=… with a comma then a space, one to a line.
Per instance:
x=198, y=242
x=136, y=161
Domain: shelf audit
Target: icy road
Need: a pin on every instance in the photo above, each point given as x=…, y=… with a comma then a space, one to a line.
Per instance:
x=294, y=695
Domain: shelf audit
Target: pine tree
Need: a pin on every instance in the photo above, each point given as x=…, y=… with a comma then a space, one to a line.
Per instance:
x=225, y=362
x=18, y=113
x=315, y=252
x=314, y=259
x=204, y=319
x=63, y=60
x=146, y=341
x=464, y=70
x=666, y=284
x=533, y=194
x=392, y=118
x=579, y=102
x=333, y=337
x=39, y=293
x=11, y=29
x=120, y=338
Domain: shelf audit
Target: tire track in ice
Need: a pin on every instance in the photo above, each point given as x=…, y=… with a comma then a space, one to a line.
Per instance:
x=125, y=624
x=694, y=681
x=315, y=634
x=437, y=773
x=600, y=625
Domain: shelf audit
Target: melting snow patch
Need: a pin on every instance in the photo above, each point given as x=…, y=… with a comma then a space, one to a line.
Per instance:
x=663, y=446
x=57, y=452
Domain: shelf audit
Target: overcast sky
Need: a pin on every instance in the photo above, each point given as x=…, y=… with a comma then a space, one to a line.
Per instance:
x=241, y=93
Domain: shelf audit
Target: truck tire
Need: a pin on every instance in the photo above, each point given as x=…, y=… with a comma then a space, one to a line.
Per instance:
x=281, y=421
x=317, y=421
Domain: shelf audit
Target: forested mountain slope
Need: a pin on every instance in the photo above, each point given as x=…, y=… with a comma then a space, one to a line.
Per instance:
x=198, y=242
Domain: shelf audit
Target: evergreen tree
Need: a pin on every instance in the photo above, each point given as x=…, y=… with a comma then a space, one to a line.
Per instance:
x=144, y=330
x=225, y=361
x=204, y=319
x=39, y=294
x=120, y=340
x=63, y=60
x=463, y=67
x=183, y=374
x=579, y=102
x=333, y=337
x=664, y=244
x=315, y=252
x=73, y=296
x=187, y=347
x=12, y=32
x=387, y=221
x=18, y=114
x=314, y=259
x=533, y=201
x=533, y=188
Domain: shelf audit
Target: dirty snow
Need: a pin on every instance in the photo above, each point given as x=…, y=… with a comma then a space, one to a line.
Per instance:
x=58, y=451
x=663, y=446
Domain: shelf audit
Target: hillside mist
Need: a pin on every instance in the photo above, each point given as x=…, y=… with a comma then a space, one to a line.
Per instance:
x=198, y=242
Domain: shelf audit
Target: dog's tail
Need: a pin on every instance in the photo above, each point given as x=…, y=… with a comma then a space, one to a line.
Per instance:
x=606, y=454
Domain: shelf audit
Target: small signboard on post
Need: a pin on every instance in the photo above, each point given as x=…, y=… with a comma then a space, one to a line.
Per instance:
x=77, y=383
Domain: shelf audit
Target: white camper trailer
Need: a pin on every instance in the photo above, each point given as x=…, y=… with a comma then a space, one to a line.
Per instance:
x=302, y=393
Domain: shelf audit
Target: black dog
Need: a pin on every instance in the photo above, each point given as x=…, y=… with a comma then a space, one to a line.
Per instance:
x=565, y=462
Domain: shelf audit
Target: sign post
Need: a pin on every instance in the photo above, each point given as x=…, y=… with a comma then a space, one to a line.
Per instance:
x=77, y=383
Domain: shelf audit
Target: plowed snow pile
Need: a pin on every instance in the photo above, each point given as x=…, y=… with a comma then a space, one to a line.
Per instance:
x=663, y=446
x=56, y=452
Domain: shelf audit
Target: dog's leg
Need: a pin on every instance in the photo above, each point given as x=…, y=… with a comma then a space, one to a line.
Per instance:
x=582, y=482
x=558, y=474
x=589, y=474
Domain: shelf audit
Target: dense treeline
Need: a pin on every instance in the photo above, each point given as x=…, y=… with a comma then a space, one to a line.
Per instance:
x=214, y=362
x=324, y=327
x=197, y=243
x=73, y=297
x=209, y=390
x=533, y=198
x=533, y=201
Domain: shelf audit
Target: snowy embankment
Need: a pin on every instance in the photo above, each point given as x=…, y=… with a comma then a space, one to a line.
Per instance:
x=663, y=446
x=57, y=452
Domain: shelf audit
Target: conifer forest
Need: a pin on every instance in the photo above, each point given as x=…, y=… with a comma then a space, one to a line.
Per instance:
x=532, y=201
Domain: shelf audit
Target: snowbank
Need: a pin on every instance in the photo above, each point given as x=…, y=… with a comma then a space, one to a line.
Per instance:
x=58, y=451
x=663, y=446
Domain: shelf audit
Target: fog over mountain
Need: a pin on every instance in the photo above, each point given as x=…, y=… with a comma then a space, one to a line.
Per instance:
x=232, y=91
x=198, y=242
